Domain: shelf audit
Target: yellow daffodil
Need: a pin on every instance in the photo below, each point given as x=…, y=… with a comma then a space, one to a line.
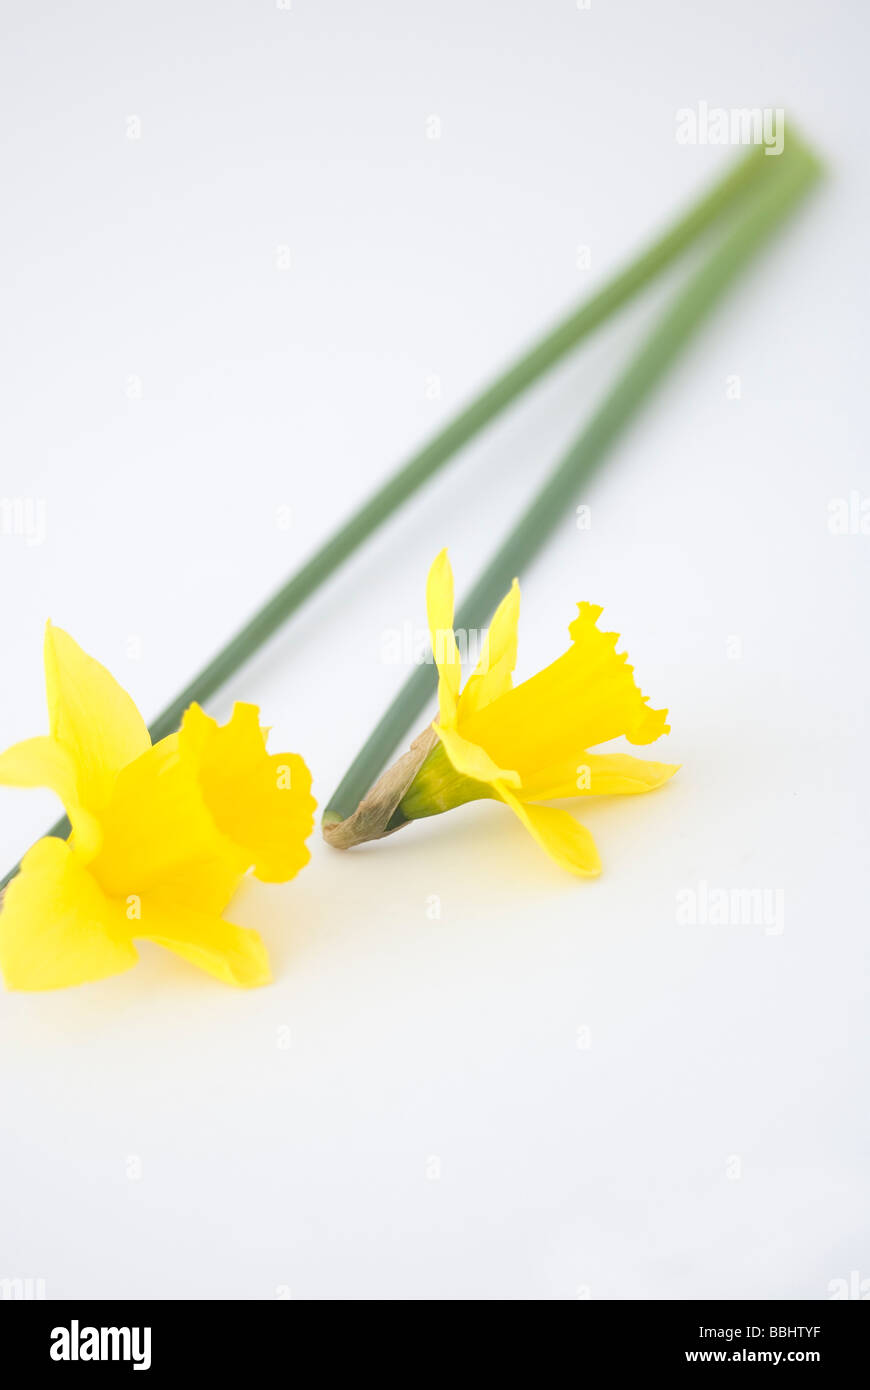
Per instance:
x=161, y=834
x=528, y=743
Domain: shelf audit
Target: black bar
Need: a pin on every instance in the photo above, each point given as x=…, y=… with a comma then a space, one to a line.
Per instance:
x=217, y=1339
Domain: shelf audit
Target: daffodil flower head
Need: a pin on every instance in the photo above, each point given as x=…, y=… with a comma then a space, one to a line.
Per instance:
x=161, y=834
x=527, y=744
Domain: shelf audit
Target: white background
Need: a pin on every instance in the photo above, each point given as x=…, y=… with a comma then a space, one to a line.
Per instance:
x=157, y=1136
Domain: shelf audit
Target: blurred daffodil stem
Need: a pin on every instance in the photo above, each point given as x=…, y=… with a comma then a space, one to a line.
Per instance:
x=360, y=810
x=753, y=174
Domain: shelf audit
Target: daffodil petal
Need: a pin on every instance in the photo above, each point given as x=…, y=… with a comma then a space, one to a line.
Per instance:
x=260, y=802
x=439, y=610
x=91, y=716
x=235, y=955
x=492, y=675
x=203, y=806
x=567, y=842
x=206, y=883
x=619, y=699
x=596, y=774
x=586, y=697
x=56, y=927
x=43, y=762
x=159, y=832
x=472, y=760
x=39, y=762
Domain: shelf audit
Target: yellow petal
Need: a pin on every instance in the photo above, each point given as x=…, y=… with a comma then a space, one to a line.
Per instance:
x=567, y=842
x=586, y=697
x=235, y=955
x=56, y=927
x=43, y=762
x=158, y=831
x=91, y=716
x=261, y=802
x=619, y=702
x=39, y=762
x=439, y=609
x=472, y=760
x=595, y=774
x=492, y=675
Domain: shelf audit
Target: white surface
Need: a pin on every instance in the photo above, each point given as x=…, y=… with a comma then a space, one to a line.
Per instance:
x=605, y=1170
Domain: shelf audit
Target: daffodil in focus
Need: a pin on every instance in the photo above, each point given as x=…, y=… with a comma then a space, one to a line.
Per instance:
x=521, y=745
x=530, y=743
x=161, y=834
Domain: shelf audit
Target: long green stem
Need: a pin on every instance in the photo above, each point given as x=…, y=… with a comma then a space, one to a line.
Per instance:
x=783, y=186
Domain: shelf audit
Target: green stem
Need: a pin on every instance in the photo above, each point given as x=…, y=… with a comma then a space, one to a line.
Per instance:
x=729, y=192
x=783, y=186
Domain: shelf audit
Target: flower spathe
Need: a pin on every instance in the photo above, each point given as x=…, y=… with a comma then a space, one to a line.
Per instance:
x=161, y=834
x=530, y=743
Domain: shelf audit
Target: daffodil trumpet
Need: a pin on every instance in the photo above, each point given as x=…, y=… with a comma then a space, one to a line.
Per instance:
x=729, y=194
x=522, y=745
x=161, y=834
